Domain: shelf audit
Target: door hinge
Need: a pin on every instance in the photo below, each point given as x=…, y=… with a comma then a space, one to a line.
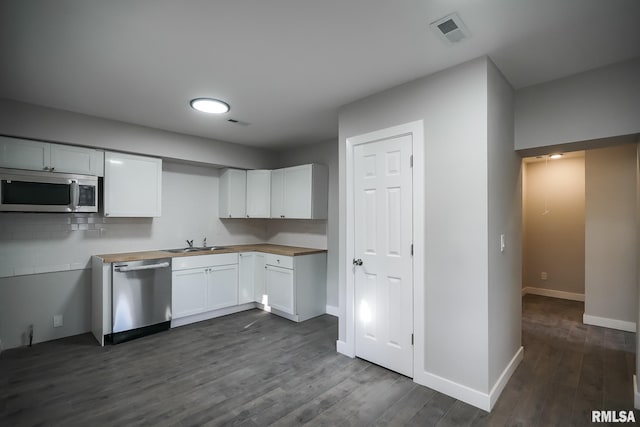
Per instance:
x=411, y=339
x=411, y=160
x=412, y=249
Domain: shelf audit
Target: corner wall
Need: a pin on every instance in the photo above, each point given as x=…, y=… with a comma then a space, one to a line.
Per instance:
x=504, y=218
x=453, y=106
x=611, y=246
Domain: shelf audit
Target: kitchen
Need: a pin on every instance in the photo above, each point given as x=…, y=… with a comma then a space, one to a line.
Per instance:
x=477, y=104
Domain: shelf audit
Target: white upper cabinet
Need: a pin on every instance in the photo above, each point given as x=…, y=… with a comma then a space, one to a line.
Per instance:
x=132, y=185
x=65, y=158
x=233, y=190
x=277, y=193
x=258, y=194
x=19, y=153
x=299, y=192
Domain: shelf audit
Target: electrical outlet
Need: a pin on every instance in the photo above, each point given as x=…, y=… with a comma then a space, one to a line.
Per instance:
x=543, y=275
x=57, y=320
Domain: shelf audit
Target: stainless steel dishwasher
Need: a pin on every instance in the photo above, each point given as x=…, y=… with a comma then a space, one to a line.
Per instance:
x=141, y=298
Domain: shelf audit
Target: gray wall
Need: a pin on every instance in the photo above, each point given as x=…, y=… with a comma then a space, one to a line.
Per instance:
x=505, y=217
x=596, y=104
x=611, y=233
x=454, y=107
x=31, y=121
x=314, y=233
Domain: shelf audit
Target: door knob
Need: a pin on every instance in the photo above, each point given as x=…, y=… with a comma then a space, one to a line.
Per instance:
x=357, y=261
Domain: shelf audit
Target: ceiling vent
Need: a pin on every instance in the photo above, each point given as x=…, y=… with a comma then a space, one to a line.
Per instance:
x=450, y=28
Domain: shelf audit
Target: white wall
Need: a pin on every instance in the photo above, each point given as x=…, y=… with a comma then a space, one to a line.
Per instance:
x=47, y=242
x=554, y=241
x=611, y=236
x=454, y=107
x=505, y=217
x=47, y=124
x=596, y=104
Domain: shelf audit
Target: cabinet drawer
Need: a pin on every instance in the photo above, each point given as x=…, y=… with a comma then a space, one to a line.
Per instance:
x=279, y=260
x=199, y=261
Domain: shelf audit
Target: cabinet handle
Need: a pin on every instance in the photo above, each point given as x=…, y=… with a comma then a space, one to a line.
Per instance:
x=229, y=215
x=52, y=169
x=281, y=216
x=247, y=216
x=46, y=168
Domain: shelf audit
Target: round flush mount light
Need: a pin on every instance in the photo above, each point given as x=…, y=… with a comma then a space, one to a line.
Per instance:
x=556, y=156
x=210, y=105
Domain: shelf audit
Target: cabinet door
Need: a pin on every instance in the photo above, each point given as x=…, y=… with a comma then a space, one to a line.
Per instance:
x=297, y=191
x=258, y=278
x=132, y=185
x=24, y=154
x=258, y=194
x=188, y=292
x=222, y=286
x=246, y=275
x=232, y=194
x=69, y=159
x=277, y=193
x=279, y=287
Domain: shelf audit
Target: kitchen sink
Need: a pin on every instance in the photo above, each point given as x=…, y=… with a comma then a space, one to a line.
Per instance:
x=195, y=249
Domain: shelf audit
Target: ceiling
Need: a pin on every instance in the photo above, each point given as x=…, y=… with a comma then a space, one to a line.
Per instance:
x=285, y=66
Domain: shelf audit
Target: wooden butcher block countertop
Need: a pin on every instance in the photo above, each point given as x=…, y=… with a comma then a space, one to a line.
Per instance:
x=260, y=247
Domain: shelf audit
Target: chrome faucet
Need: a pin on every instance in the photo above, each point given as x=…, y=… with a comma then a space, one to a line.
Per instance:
x=204, y=242
x=190, y=243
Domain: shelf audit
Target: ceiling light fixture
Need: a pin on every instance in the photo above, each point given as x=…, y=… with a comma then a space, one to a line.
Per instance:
x=210, y=105
x=556, y=156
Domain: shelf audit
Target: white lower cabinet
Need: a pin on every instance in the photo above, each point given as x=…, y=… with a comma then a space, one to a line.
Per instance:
x=201, y=284
x=222, y=286
x=207, y=286
x=279, y=288
x=250, y=277
x=188, y=292
x=295, y=287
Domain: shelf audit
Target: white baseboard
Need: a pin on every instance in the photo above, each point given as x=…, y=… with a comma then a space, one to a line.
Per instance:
x=466, y=394
x=552, y=293
x=342, y=348
x=499, y=386
x=636, y=395
x=458, y=391
x=332, y=310
x=605, y=322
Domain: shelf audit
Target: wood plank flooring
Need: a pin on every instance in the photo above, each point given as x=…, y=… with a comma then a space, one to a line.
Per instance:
x=256, y=369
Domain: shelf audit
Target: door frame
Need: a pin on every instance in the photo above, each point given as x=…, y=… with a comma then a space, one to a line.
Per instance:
x=416, y=130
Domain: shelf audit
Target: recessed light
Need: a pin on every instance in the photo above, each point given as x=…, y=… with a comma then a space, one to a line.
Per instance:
x=210, y=105
x=556, y=156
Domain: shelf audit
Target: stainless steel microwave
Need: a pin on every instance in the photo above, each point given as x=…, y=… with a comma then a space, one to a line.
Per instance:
x=35, y=191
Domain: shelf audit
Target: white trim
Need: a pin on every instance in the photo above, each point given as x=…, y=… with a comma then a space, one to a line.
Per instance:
x=343, y=348
x=458, y=391
x=416, y=130
x=469, y=395
x=211, y=314
x=552, y=293
x=332, y=310
x=636, y=395
x=605, y=322
x=499, y=386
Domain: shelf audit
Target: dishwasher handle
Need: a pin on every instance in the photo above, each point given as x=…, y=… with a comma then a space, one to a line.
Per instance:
x=125, y=268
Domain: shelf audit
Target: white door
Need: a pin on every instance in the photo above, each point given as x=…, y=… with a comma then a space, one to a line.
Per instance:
x=277, y=193
x=188, y=292
x=383, y=242
x=258, y=193
x=297, y=191
x=222, y=286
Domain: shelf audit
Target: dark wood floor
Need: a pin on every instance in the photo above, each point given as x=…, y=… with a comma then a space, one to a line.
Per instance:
x=256, y=369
